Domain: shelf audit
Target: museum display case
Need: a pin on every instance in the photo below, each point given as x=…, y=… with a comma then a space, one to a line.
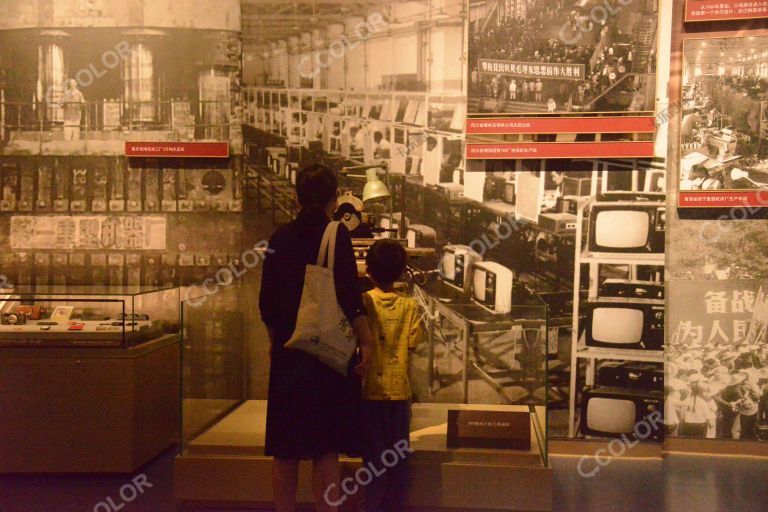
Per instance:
x=98, y=363
x=461, y=448
x=86, y=316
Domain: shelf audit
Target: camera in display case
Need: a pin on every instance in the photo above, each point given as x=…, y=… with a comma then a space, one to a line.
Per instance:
x=86, y=316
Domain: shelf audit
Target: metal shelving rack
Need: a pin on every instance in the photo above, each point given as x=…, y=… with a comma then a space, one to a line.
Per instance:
x=592, y=355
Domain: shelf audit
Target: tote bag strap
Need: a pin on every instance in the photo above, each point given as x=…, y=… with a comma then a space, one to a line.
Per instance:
x=328, y=246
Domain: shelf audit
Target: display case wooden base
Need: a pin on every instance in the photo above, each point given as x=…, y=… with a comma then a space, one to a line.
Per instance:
x=226, y=466
x=69, y=410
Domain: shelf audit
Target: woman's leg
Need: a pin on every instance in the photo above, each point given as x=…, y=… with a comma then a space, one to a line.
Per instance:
x=326, y=476
x=285, y=476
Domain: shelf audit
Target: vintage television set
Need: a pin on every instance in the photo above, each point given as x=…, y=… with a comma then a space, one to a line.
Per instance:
x=457, y=265
x=492, y=286
x=394, y=224
x=625, y=323
x=630, y=288
x=632, y=375
x=399, y=151
x=628, y=227
x=577, y=187
x=419, y=235
x=616, y=412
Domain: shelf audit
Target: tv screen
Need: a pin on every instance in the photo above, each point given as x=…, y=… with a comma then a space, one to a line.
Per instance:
x=617, y=326
x=624, y=323
x=611, y=415
x=622, y=229
x=449, y=266
x=478, y=285
x=627, y=227
x=617, y=412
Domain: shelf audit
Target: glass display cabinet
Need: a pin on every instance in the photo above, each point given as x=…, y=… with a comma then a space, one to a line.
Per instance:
x=86, y=316
x=98, y=364
x=480, y=393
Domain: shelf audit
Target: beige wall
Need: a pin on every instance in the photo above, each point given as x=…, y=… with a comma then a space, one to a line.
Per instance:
x=204, y=14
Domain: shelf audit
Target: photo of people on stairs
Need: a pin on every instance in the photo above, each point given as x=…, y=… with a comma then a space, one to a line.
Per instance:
x=554, y=56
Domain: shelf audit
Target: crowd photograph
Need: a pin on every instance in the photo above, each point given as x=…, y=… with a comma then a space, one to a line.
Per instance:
x=717, y=371
x=554, y=56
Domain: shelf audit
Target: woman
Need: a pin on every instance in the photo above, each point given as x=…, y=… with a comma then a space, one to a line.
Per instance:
x=311, y=411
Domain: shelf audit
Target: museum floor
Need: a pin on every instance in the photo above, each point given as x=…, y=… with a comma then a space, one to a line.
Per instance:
x=700, y=484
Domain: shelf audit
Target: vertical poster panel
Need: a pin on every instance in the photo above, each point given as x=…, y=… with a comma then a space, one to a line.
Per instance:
x=716, y=377
x=723, y=155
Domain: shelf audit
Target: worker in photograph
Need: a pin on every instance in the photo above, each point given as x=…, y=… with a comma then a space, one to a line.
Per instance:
x=72, y=102
x=381, y=145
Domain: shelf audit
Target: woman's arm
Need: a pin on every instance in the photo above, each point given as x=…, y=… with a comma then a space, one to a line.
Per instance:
x=365, y=343
x=269, y=290
x=350, y=296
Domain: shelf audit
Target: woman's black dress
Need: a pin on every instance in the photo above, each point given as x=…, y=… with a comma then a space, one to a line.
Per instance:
x=312, y=409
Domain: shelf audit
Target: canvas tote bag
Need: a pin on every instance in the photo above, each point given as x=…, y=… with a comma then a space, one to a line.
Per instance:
x=322, y=329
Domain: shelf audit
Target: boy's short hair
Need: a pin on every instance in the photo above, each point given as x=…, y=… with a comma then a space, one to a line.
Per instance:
x=386, y=261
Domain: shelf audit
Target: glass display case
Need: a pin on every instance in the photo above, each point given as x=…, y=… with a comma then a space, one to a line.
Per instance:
x=86, y=316
x=479, y=380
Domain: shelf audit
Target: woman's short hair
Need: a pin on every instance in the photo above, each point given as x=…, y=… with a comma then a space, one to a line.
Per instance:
x=316, y=186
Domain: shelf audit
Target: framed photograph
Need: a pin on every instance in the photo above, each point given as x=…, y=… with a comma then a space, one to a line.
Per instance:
x=724, y=123
x=545, y=57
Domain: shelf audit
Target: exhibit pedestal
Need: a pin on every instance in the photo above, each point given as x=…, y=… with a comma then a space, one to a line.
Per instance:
x=226, y=465
x=69, y=410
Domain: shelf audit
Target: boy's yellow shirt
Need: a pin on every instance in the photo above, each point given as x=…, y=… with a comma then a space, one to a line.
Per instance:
x=395, y=322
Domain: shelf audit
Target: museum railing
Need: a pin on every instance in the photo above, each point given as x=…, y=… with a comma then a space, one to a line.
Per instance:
x=109, y=119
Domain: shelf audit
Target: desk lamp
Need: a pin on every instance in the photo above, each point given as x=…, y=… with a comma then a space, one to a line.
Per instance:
x=375, y=189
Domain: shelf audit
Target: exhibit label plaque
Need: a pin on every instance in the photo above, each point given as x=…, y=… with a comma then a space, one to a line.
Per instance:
x=509, y=430
x=177, y=149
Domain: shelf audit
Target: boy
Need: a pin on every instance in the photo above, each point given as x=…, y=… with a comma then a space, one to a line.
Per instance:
x=386, y=410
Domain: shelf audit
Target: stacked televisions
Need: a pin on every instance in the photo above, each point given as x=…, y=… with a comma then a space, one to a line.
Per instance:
x=490, y=283
x=627, y=316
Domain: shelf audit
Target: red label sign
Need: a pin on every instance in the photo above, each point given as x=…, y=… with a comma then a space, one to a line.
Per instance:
x=177, y=149
x=723, y=199
x=710, y=10
x=527, y=150
x=634, y=124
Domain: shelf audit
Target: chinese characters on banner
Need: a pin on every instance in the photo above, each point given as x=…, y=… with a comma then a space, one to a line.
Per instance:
x=562, y=71
x=710, y=10
x=137, y=233
x=716, y=312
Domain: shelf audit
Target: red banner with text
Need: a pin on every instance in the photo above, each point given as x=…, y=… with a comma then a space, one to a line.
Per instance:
x=525, y=150
x=177, y=149
x=711, y=10
x=502, y=126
